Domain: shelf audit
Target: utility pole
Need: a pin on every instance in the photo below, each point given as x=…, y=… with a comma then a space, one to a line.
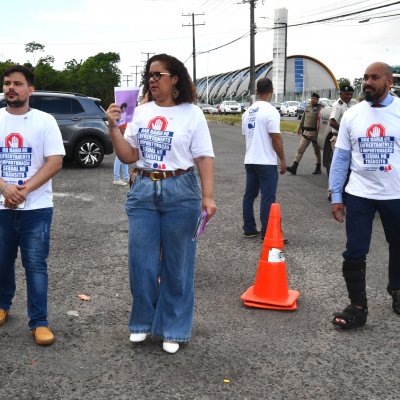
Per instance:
x=148, y=55
x=194, y=41
x=136, y=72
x=252, y=85
x=127, y=78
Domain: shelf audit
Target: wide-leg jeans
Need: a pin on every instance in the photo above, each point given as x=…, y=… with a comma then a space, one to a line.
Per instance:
x=162, y=218
x=30, y=232
x=360, y=213
x=263, y=178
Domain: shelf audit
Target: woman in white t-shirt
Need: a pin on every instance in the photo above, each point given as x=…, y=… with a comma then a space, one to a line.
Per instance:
x=168, y=135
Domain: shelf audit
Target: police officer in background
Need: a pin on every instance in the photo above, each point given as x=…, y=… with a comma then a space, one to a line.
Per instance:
x=308, y=130
x=338, y=109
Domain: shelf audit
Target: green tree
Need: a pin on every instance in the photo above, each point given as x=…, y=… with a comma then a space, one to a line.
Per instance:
x=33, y=47
x=99, y=74
x=343, y=81
x=3, y=66
x=69, y=79
x=357, y=84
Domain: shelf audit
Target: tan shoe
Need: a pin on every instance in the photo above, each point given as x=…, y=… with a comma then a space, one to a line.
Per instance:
x=43, y=335
x=3, y=316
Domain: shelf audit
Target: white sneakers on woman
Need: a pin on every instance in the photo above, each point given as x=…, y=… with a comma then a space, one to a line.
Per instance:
x=138, y=337
x=168, y=346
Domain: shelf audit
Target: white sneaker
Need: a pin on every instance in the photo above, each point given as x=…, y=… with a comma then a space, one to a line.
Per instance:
x=138, y=337
x=170, y=347
x=119, y=182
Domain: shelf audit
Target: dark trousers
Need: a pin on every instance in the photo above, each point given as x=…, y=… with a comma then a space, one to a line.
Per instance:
x=360, y=213
x=264, y=179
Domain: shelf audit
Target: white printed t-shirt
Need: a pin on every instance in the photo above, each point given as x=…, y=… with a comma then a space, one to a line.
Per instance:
x=169, y=138
x=373, y=136
x=258, y=122
x=25, y=141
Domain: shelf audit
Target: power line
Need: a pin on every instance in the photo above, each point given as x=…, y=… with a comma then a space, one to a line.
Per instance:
x=343, y=15
x=301, y=24
x=226, y=44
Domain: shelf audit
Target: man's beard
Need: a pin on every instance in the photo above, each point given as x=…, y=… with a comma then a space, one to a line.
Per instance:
x=374, y=95
x=15, y=104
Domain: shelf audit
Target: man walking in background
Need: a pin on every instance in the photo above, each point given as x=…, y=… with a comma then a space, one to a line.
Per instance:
x=261, y=130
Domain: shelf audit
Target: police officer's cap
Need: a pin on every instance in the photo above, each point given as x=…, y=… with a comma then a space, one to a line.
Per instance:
x=346, y=89
x=315, y=95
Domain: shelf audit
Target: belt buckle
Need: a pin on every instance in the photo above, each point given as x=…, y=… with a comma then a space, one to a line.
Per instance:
x=153, y=177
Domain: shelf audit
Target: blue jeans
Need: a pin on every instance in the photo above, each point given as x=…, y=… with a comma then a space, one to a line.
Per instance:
x=30, y=231
x=162, y=217
x=117, y=170
x=360, y=213
x=264, y=179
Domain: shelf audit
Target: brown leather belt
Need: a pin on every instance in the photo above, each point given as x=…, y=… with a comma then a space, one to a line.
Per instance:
x=158, y=175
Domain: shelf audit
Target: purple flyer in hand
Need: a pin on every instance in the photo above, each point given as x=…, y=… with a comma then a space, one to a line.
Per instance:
x=126, y=98
x=201, y=225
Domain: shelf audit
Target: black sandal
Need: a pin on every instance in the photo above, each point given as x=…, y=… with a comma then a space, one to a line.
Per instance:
x=353, y=317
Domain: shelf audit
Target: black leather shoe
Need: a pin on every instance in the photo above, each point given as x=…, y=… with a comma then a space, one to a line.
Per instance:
x=396, y=300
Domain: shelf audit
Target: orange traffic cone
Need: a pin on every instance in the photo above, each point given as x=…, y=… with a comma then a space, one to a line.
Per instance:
x=270, y=289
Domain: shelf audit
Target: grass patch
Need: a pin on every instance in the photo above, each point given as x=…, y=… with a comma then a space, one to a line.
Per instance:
x=286, y=126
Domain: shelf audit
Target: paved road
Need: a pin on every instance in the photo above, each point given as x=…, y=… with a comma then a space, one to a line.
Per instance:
x=262, y=354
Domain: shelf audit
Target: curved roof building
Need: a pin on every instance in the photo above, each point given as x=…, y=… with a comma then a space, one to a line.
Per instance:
x=304, y=75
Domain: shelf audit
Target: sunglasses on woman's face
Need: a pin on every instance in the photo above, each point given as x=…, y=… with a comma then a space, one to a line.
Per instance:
x=157, y=75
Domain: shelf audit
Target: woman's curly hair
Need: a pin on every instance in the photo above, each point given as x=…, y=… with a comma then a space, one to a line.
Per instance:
x=185, y=86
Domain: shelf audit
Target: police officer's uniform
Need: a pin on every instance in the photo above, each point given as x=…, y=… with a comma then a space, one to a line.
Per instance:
x=308, y=126
x=338, y=109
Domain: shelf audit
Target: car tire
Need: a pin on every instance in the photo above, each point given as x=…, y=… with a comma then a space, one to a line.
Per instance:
x=88, y=153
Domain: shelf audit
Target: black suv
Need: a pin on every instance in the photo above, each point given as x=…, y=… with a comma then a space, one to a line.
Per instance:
x=82, y=122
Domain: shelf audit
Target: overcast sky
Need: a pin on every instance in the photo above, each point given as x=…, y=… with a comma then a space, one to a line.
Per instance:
x=78, y=29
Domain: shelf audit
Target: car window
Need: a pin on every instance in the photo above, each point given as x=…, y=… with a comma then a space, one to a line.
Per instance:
x=56, y=105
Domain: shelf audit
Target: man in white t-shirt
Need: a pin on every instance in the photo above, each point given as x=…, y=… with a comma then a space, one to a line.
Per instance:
x=31, y=153
x=369, y=143
x=261, y=130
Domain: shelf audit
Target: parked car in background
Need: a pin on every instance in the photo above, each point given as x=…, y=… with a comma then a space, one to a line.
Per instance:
x=326, y=102
x=230, y=107
x=214, y=110
x=301, y=107
x=206, y=108
x=82, y=122
x=289, y=108
x=276, y=105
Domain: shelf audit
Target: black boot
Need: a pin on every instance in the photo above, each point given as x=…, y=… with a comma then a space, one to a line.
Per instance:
x=354, y=276
x=293, y=168
x=355, y=314
x=317, y=169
